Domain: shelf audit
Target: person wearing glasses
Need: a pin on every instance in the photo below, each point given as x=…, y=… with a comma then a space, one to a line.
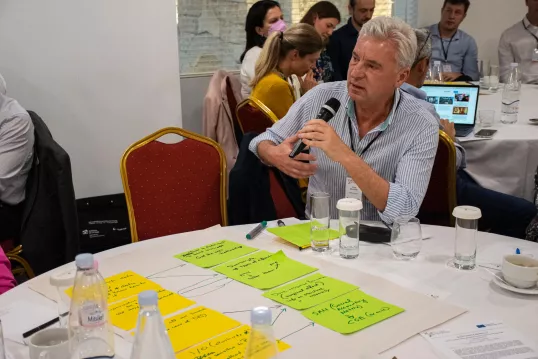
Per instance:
x=455, y=49
x=520, y=44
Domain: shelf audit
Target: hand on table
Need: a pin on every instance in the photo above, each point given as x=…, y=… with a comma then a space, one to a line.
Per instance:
x=451, y=76
x=280, y=158
x=308, y=83
x=319, y=134
x=449, y=129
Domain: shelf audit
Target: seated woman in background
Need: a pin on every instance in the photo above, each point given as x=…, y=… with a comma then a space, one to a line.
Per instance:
x=292, y=52
x=263, y=18
x=325, y=17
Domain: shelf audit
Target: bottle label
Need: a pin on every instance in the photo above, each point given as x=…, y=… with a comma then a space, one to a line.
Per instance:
x=510, y=107
x=91, y=315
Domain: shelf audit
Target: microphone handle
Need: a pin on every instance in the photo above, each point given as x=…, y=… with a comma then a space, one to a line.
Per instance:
x=324, y=115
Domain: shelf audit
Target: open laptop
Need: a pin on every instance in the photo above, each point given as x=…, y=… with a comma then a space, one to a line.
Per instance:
x=456, y=103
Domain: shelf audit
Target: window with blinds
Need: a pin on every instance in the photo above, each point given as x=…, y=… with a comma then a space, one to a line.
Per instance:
x=212, y=36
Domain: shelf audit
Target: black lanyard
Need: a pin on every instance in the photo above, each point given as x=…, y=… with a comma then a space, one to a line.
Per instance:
x=445, y=52
x=352, y=142
x=529, y=31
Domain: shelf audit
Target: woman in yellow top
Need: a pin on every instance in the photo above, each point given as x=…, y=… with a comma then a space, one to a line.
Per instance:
x=292, y=52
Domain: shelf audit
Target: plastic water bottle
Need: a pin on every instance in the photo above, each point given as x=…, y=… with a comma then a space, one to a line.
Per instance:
x=261, y=342
x=151, y=339
x=511, y=93
x=437, y=72
x=89, y=320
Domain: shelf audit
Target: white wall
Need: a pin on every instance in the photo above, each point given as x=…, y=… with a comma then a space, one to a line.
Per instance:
x=101, y=73
x=486, y=21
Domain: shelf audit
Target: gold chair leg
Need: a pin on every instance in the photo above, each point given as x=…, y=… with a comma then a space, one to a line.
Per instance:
x=27, y=268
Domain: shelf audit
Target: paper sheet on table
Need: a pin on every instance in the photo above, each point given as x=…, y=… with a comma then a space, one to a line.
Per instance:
x=241, y=266
x=197, y=325
x=351, y=312
x=298, y=234
x=22, y=316
x=215, y=253
x=271, y=272
x=229, y=345
x=488, y=340
x=310, y=291
x=124, y=314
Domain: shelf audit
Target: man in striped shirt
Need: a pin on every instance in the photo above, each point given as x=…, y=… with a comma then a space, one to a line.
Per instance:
x=379, y=147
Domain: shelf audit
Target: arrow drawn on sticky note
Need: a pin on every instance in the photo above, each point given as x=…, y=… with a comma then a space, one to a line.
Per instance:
x=311, y=324
x=279, y=314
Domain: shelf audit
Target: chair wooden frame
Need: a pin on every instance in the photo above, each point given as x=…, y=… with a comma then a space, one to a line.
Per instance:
x=257, y=104
x=185, y=134
x=452, y=198
x=14, y=255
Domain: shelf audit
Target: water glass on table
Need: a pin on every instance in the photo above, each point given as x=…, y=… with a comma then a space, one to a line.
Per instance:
x=486, y=117
x=406, y=238
x=493, y=78
x=319, y=221
x=466, y=230
x=349, y=211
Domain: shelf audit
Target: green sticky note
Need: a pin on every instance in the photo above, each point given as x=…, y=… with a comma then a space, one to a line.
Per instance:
x=310, y=291
x=351, y=312
x=215, y=253
x=242, y=265
x=298, y=234
x=271, y=272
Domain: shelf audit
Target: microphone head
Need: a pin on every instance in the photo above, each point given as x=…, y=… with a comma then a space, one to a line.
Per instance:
x=334, y=104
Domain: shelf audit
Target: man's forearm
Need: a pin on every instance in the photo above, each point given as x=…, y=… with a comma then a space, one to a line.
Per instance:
x=374, y=187
x=264, y=150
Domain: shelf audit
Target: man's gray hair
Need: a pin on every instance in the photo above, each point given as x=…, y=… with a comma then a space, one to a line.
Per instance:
x=424, y=45
x=397, y=31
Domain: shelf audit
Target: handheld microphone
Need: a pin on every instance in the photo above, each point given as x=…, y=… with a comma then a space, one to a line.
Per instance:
x=326, y=112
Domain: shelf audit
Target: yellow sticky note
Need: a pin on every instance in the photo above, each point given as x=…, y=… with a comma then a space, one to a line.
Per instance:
x=231, y=345
x=124, y=314
x=197, y=325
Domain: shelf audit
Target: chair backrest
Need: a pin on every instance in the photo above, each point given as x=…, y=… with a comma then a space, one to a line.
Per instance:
x=440, y=198
x=283, y=206
x=254, y=116
x=174, y=188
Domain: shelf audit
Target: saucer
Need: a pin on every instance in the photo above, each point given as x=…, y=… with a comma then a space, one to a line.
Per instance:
x=530, y=291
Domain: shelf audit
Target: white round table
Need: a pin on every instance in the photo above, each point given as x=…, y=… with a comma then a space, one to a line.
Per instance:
x=428, y=274
x=507, y=163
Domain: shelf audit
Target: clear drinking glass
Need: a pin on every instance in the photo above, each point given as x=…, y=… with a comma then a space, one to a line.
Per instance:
x=466, y=229
x=494, y=77
x=406, y=238
x=349, y=212
x=319, y=221
x=487, y=117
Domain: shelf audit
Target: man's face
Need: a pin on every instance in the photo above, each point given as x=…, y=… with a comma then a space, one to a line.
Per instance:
x=452, y=16
x=533, y=7
x=362, y=12
x=374, y=73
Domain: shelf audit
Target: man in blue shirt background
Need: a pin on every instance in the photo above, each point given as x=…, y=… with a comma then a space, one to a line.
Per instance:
x=456, y=50
x=343, y=40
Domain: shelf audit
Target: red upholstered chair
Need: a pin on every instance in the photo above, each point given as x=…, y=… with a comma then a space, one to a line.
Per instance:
x=440, y=198
x=283, y=206
x=174, y=188
x=254, y=116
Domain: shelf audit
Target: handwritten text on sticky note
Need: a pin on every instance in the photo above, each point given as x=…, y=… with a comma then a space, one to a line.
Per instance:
x=215, y=253
x=242, y=265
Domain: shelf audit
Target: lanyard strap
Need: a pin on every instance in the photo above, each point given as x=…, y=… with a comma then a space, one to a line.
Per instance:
x=529, y=31
x=445, y=52
x=352, y=142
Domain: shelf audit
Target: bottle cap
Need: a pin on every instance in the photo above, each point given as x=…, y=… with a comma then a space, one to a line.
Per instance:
x=467, y=212
x=148, y=297
x=349, y=204
x=261, y=316
x=63, y=279
x=84, y=261
x=514, y=64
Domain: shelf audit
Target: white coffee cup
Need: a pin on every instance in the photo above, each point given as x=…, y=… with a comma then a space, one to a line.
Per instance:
x=50, y=343
x=520, y=271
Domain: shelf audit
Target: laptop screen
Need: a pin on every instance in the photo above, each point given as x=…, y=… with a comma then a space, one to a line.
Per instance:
x=457, y=104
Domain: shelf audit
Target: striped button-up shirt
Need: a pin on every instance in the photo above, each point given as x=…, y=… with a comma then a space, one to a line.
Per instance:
x=403, y=154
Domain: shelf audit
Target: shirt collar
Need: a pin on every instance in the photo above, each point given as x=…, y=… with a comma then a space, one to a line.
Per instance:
x=413, y=91
x=527, y=23
x=351, y=30
x=434, y=30
x=385, y=124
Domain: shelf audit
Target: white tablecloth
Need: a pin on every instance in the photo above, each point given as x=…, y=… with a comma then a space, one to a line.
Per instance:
x=507, y=163
x=428, y=274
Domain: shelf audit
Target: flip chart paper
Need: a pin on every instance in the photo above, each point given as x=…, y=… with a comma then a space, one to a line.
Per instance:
x=351, y=312
x=197, y=325
x=230, y=345
x=215, y=253
x=298, y=234
x=243, y=264
x=271, y=272
x=310, y=291
x=124, y=314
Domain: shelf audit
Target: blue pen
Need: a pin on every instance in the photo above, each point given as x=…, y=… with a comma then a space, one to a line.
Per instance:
x=257, y=230
x=518, y=251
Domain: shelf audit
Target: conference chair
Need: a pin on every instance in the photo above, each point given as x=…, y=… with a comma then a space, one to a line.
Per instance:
x=174, y=187
x=232, y=104
x=14, y=255
x=254, y=116
x=440, y=198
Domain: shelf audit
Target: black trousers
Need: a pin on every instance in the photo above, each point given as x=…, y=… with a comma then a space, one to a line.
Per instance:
x=501, y=214
x=10, y=221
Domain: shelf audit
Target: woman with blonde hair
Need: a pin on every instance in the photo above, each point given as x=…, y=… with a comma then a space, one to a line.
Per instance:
x=292, y=52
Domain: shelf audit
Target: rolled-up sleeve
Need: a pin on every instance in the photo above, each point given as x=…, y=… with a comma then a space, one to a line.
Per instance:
x=412, y=176
x=506, y=57
x=470, y=61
